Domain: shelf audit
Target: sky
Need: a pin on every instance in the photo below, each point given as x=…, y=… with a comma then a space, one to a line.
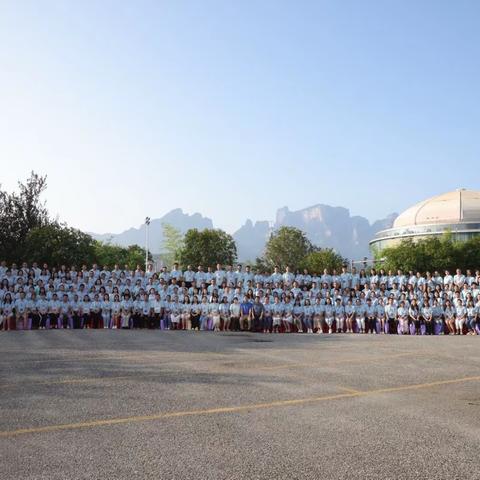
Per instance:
x=236, y=108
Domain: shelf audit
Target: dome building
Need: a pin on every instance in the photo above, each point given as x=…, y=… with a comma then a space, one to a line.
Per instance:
x=457, y=212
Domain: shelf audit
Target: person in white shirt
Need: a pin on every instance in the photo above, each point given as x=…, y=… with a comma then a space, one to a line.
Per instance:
x=403, y=327
x=460, y=317
x=380, y=316
x=288, y=277
x=329, y=311
x=391, y=316
x=459, y=278
x=189, y=276
x=471, y=318
x=339, y=316
x=234, y=320
x=7, y=312
x=371, y=321
x=21, y=312
x=349, y=315
x=427, y=316
x=106, y=311
x=360, y=312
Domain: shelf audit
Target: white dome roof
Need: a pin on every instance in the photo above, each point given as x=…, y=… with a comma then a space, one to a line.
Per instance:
x=459, y=206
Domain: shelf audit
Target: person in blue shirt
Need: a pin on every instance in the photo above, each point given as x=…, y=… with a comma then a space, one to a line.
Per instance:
x=245, y=308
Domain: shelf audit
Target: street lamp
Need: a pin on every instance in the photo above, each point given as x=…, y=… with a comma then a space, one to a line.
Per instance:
x=147, y=224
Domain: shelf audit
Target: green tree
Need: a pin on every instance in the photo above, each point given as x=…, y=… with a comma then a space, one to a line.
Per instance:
x=172, y=244
x=317, y=261
x=207, y=247
x=107, y=254
x=433, y=253
x=288, y=246
x=57, y=244
x=21, y=212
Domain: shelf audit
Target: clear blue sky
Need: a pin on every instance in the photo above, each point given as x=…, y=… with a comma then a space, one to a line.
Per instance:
x=236, y=108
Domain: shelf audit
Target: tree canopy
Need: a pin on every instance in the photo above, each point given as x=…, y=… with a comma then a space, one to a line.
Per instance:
x=27, y=233
x=20, y=213
x=433, y=253
x=321, y=259
x=207, y=247
x=288, y=246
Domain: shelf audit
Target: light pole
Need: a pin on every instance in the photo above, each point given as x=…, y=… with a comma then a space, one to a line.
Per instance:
x=147, y=224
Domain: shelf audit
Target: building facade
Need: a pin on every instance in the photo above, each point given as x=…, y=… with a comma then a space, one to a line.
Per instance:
x=457, y=212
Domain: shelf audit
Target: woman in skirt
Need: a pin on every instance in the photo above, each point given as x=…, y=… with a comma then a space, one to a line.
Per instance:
x=349, y=315
x=116, y=311
x=225, y=314
x=460, y=317
x=339, y=316
x=186, y=323
x=403, y=328
x=277, y=314
x=414, y=318
x=126, y=311
x=195, y=312
x=21, y=312
x=298, y=315
x=329, y=314
x=175, y=314
x=449, y=313
x=287, y=315
x=8, y=316
x=380, y=316
x=214, y=315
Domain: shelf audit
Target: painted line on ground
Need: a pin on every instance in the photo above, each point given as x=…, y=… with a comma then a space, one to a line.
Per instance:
x=232, y=409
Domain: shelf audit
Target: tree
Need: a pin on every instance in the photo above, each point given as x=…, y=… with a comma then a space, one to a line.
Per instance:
x=21, y=212
x=288, y=246
x=324, y=258
x=58, y=244
x=109, y=255
x=207, y=247
x=433, y=253
x=172, y=244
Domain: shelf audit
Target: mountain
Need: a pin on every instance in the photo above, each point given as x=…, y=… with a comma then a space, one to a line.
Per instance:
x=325, y=226
x=250, y=239
x=333, y=227
x=181, y=221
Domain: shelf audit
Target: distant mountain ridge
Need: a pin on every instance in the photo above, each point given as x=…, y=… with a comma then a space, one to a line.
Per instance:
x=180, y=220
x=325, y=226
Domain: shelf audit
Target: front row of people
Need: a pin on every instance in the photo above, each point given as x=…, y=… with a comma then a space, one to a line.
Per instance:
x=260, y=315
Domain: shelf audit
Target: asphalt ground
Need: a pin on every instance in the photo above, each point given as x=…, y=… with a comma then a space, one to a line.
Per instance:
x=196, y=405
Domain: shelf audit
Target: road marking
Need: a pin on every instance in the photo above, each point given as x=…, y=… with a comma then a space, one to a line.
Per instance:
x=349, y=390
x=233, y=409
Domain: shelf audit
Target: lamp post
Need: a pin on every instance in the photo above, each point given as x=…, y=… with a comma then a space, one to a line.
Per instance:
x=147, y=224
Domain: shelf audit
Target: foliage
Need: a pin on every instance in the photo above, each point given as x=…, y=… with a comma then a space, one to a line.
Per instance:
x=21, y=212
x=58, y=244
x=109, y=255
x=207, y=248
x=433, y=253
x=172, y=244
x=288, y=246
x=324, y=258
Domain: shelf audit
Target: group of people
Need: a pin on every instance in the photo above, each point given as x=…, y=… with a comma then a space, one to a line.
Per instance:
x=232, y=299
